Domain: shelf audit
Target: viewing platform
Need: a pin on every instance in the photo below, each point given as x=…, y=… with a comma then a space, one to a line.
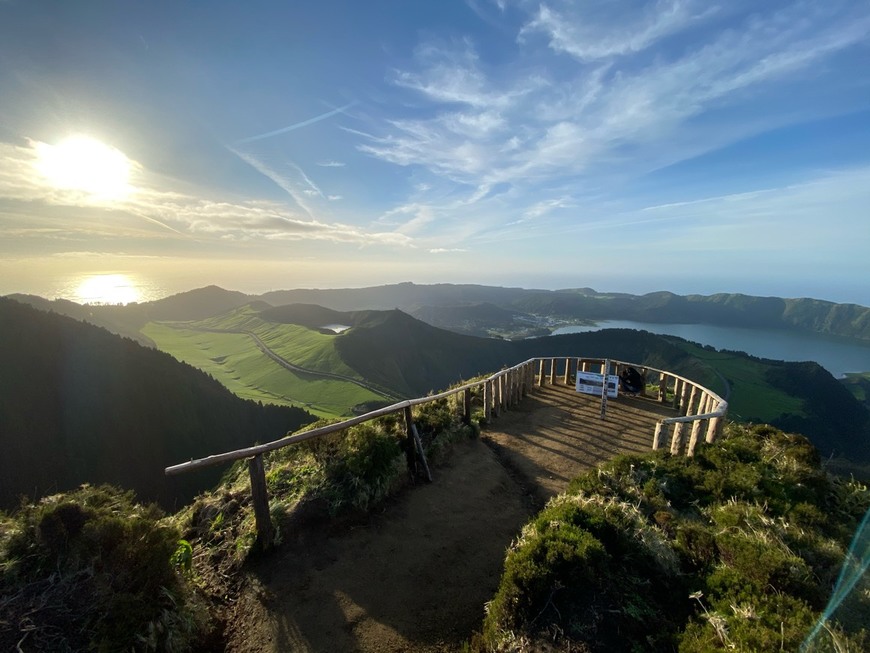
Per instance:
x=556, y=433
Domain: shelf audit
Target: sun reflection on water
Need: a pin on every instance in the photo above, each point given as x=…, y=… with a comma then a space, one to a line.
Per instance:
x=108, y=289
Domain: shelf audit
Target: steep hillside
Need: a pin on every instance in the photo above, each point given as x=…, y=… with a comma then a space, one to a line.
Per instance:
x=311, y=316
x=393, y=349
x=125, y=321
x=78, y=404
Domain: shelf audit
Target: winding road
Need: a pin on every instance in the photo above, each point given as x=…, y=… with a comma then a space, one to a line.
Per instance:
x=283, y=362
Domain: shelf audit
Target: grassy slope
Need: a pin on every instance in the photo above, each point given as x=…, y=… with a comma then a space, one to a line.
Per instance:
x=735, y=549
x=752, y=396
x=235, y=361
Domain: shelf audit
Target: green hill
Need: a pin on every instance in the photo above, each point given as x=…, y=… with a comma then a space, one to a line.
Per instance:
x=738, y=548
x=78, y=404
x=272, y=361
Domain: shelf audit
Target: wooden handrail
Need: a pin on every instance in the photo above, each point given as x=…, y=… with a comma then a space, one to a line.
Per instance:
x=501, y=391
x=256, y=450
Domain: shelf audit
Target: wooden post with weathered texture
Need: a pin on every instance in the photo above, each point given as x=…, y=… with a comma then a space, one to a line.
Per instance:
x=657, y=436
x=260, y=497
x=712, y=425
x=677, y=439
x=691, y=403
x=552, y=371
x=693, y=438
x=466, y=407
x=541, y=369
x=663, y=387
x=684, y=395
x=643, y=382
x=487, y=401
x=678, y=392
x=567, y=377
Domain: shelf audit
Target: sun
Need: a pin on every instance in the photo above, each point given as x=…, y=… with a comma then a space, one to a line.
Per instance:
x=107, y=289
x=85, y=164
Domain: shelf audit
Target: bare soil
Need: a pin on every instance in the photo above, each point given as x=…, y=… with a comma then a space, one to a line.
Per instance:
x=415, y=576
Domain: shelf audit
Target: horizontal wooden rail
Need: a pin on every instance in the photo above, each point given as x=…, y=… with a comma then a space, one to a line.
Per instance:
x=501, y=391
x=286, y=441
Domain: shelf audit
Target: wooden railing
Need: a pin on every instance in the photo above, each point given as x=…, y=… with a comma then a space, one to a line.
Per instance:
x=501, y=391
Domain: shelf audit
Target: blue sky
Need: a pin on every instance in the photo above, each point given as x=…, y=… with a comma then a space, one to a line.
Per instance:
x=692, y=146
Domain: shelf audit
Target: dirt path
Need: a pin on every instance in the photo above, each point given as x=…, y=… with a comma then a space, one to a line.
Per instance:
x=416, y=576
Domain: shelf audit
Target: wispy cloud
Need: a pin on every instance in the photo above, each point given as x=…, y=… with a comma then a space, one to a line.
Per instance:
x=603, y=110
x=591, y=32
x=331, y=164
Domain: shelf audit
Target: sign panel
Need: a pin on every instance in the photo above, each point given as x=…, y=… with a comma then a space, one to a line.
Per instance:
x=590, y=383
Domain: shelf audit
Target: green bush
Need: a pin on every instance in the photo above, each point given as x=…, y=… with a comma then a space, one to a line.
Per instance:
x=737, y=548
x=92, y=570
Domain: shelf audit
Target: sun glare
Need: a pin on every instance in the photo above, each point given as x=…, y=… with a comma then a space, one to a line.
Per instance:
x=107, y=289
x=85, y=164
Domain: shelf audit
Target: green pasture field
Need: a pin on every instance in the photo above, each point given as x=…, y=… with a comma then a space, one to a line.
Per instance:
x=751, y=395
x=236, y=362
x=297, y=344
x=858, y=383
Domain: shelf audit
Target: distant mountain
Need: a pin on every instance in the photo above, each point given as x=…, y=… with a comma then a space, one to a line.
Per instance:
x=489, y=310
x=78, y=404
x=484, y=318
x=456, y=306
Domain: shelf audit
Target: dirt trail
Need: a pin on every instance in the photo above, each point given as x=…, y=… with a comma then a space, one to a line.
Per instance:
x=415, y=577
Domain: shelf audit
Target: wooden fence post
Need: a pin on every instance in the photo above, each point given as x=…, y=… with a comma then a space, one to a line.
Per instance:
x=502, y=391
x=541, y=369
x=712, y=425
x=663, y=388
x=260, y=497
x=677, y=439
x=567, y=377
x=466, y=406
x=691, y=403
x=487, y=400
x=643, y=382
x=657, y=436
x=684, y=394
x=678, y=389
x=552, y=371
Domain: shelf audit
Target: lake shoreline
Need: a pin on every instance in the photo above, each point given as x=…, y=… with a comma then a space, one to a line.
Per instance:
x=840, y=356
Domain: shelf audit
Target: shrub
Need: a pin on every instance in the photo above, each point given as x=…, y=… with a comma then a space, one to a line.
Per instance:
x=736, y=549
x=92, y=569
